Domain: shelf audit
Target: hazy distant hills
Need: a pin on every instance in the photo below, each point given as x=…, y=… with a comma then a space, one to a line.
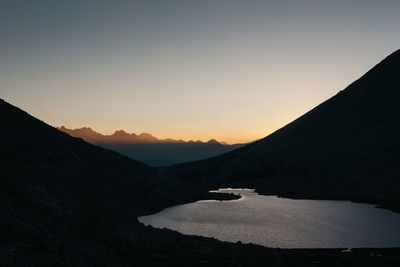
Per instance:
x=119, y=136
x=151, y=150
x=347, y=147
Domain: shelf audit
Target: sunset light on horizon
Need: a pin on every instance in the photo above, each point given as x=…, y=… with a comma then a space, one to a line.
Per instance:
x=234, y=71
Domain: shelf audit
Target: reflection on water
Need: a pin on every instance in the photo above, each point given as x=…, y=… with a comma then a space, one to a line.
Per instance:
x=280, y=222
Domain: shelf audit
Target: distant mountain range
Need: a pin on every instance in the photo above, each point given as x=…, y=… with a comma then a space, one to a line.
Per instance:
x=151, y=150
x=348, y=147
x=120, y=136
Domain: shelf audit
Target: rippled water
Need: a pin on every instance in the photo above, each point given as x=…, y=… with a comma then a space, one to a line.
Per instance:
x=280, y=222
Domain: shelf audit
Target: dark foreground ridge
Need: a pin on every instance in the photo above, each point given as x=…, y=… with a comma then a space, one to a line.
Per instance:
x=346, y=148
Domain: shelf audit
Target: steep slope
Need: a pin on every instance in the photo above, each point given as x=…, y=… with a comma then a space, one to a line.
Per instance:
x=60, y=194
x=347, y=147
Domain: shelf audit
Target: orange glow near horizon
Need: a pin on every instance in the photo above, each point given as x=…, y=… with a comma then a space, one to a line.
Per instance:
x=245, y=133
x=246, y=136
x=233, y=71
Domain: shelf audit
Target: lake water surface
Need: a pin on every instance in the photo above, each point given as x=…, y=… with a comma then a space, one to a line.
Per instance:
x=285, y=223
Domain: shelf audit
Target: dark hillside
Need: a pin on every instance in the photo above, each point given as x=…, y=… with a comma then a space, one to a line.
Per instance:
x=347, y=147
x=59, y=193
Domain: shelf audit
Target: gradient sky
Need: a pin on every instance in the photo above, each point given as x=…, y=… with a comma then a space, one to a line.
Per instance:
x=230, y=70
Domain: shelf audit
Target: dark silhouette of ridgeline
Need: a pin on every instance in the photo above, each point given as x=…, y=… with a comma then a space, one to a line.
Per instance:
x=151, y=150
x=348, y=147
x=62, y=197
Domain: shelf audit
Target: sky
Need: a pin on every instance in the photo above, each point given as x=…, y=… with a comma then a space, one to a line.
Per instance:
x=230, y=70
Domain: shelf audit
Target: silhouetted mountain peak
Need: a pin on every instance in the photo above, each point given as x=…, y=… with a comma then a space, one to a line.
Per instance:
x=84, y=132
x=213, y=141
x=120, y=133
x=147, y=135
x=88, y=130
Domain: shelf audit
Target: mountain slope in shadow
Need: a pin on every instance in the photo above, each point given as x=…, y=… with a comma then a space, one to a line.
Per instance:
x=348, y=147
x=63, y=199
x=151, y=150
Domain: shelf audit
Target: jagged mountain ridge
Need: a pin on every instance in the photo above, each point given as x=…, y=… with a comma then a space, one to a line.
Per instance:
x=151, y=150
x=120, y=136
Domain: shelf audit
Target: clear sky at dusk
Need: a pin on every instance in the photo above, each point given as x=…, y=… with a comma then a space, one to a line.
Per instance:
x=230, y=70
